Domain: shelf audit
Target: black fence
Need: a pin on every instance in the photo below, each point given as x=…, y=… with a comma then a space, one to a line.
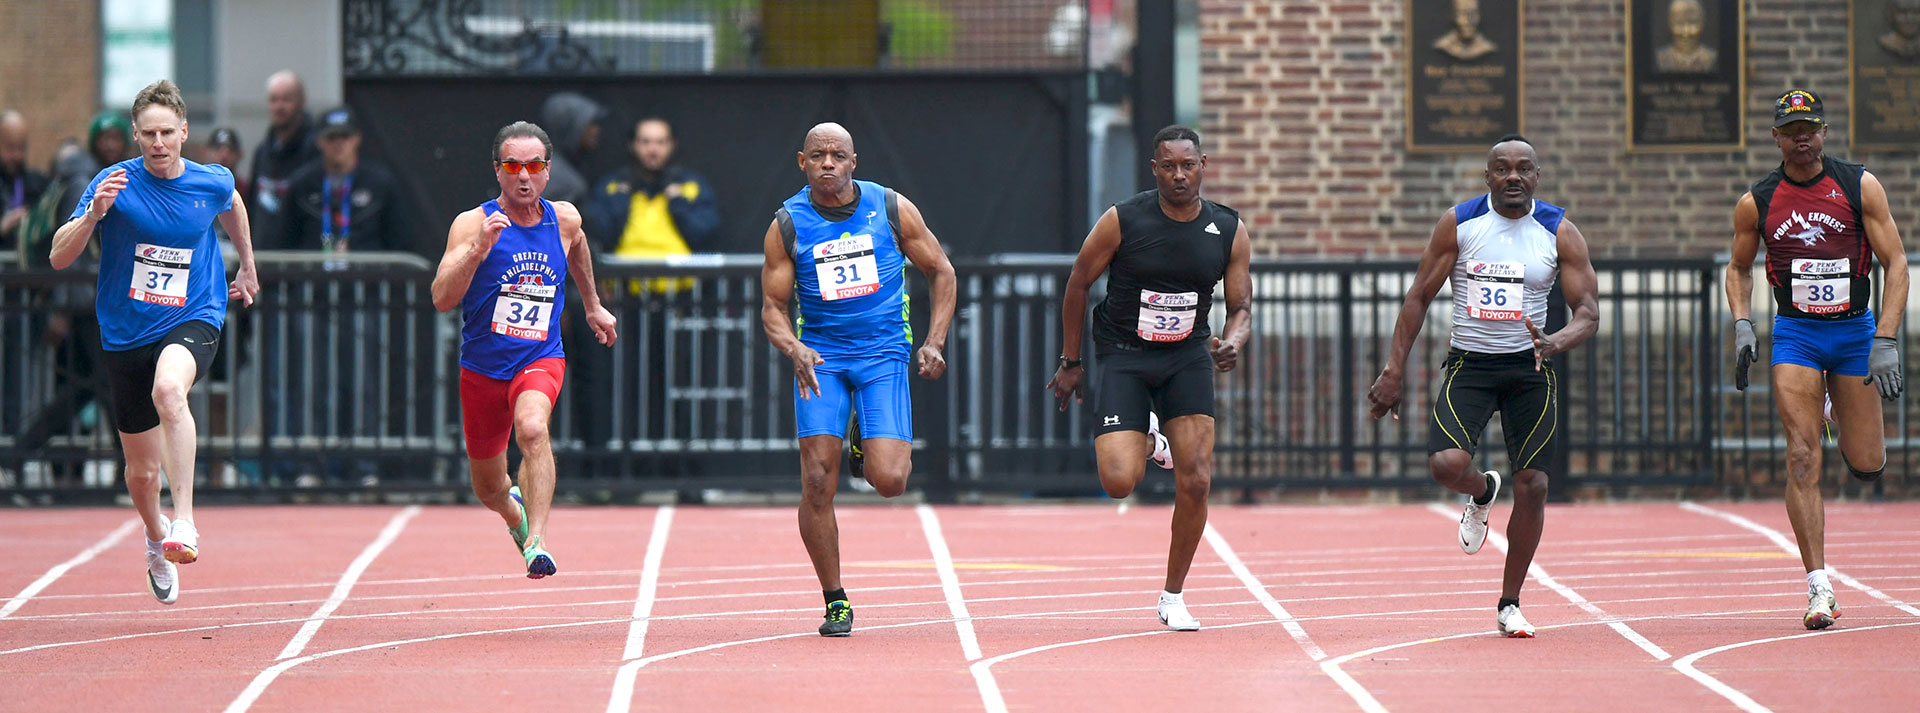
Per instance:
x=343, y=378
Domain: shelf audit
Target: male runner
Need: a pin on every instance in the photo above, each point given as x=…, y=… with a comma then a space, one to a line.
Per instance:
x=1503, y=251
x=836, y=251
x=1819, y=216
x=506, y=267
x=160, y=308
x=1167, y=248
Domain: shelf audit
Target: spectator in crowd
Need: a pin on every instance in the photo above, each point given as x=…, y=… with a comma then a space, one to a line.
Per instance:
x=223, y=148
x=287, y=147
x=340, y=201
x=19, y=187
x=575, y=123
x=109, y=141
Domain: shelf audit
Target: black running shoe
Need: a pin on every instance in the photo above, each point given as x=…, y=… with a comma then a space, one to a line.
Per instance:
x=856, y=460
x=839, y=619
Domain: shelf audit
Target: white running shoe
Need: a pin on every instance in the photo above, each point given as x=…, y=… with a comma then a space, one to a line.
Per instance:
x=1162, y=453
x=1473, y=520
x=1173, y=613
x=1512, y=624
x=1822, y=608
x=182, y=545
x=163, y=578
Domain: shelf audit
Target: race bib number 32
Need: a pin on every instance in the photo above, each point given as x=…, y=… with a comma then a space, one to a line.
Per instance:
x=1495, y=289
x=1166, y=317
x=846, y=268
x=524, y=311
x=1822, y=286
x=160, y=275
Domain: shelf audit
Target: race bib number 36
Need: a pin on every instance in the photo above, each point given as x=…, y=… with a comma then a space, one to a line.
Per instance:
x=1822, y=286
x=1495, y=289
x=160, y=275
x=846, y=268
x=524, y=311
x=1166, y=317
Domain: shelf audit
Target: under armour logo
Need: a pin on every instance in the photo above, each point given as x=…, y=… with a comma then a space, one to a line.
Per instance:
x=1110, y=421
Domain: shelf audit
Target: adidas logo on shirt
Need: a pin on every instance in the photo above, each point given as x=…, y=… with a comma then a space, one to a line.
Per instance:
x=1212, y=228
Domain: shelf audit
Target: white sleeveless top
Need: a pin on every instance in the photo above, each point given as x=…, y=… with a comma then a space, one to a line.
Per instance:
x=1504, y=271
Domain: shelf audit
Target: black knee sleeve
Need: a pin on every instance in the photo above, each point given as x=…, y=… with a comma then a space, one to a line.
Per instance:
x=1865, y=476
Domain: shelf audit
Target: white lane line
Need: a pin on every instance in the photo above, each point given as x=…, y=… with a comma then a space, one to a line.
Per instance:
x=949, y=582
x=1260, y=594
x=1685, y=666
x=60, y=570
x=1784, y=543
x=982, y=670
x=649, y=582
x=1537, y=572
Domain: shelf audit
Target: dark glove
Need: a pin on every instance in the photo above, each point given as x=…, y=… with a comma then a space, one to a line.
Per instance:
x=1743, y=350
x=1883, y=368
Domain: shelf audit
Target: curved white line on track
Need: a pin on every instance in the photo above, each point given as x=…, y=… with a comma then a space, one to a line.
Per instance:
x=1260, y=593
x=1685, y=666
x=623, y=679
x=1780, y=540
x=60, y=570
x=983, y=673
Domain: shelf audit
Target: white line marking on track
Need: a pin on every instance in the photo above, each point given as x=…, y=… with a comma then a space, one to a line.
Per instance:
x=1613, y=622
x=649, y=582
x=60, y=570
x=1780, y=540
x=1685, y=666
x=1260, y=593
x=949, y=582
x=983, y=673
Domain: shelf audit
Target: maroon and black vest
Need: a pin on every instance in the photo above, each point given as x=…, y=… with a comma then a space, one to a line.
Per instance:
x=1818, y=260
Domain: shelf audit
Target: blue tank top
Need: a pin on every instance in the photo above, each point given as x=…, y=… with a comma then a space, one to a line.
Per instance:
x=849, y=279
x=160, y=264
x=512, y=309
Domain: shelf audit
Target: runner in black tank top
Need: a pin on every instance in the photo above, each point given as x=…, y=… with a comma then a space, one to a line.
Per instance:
x=1822, y=221
x=1168, y=248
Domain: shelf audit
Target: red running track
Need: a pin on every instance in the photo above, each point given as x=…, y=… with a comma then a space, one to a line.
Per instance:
x=1649, y=607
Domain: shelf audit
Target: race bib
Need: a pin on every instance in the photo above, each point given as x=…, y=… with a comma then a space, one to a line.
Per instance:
x=160, y=275
x=846, y=268
x=524, y=311
x=1494, y=290
x=1822, y=286
x=1166, y=317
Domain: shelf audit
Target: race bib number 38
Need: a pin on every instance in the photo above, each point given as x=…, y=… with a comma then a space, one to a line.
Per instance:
x=1822, y=286
x=524, y=311
x=846, y=268
x=1495, y=289
x=1166, y=317
x=160, y=275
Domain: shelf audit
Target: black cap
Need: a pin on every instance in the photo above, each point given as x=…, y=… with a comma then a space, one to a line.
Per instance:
x=338, y=121
x=224, y=136
x=1798, y=105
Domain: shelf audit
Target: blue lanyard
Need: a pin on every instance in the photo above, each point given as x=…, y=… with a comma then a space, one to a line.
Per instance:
x=327, y=233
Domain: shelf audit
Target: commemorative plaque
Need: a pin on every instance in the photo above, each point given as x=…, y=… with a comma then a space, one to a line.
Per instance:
x=1464, y=73
x=1685, y=86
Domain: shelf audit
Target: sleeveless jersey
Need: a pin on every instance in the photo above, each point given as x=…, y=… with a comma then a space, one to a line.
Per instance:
x=512, y=309
x=160, y=264
x=1818, y=259
x=1502, y=275
x=1160, y=283
x=849, y=279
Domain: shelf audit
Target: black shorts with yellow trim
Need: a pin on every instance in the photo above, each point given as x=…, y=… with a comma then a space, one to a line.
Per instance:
x=1473, y=385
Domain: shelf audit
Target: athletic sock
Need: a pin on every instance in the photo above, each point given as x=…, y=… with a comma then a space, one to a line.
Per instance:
x=1817, y=579
x=837, y=595
x=1488, y=495
x=1170, y=596
x=1506, y=601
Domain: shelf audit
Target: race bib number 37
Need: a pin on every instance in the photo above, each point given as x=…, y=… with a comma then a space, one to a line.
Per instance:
x=160, y=275
x=1166, y=317
x=1495, y=289
x=524, y=311
x=1822, y=286
x=846, y=268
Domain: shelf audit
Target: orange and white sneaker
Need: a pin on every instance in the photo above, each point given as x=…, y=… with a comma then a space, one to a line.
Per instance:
x=1512, y=624
x=1822, y=609
x=182, y=545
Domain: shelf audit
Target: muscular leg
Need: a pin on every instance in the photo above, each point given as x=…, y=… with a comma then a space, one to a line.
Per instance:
x=172, y=378
x=1453, y=468
x=530, y=416
x=1523, y=528
x=1122, y=458
x=1797, y=392
x=1863, y=428
x=819, y=479
x=888, y=463
x=145, y=451
x=490, y=484
x=1191, y=438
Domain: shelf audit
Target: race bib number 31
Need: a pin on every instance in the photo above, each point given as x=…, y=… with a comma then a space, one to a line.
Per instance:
x=846, y=268
x=1166, y=317
x=160, y=275
x=1495, y=289
x=524, y=311
x=1822, y=286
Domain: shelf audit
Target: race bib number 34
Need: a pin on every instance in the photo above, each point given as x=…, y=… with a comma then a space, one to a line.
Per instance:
x=846, y=268
x=160, y=275
x=524, y=311
x=1822, y=286
x=1166, y=317
x=1495, y=289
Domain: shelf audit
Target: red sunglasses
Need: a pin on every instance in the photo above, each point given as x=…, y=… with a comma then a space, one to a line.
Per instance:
x=534, y=166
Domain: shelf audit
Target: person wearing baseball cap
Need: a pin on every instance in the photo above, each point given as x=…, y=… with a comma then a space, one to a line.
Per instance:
x=1823, y=221
x=224, y=148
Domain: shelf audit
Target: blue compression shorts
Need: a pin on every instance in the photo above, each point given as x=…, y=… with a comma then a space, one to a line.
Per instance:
x=877, y=384
x=1838, y=346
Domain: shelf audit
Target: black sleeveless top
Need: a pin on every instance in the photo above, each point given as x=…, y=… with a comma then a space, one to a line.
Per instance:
x=1160, y=283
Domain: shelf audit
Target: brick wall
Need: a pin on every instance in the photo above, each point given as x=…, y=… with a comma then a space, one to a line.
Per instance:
x=50, y=70
x=1303, y=108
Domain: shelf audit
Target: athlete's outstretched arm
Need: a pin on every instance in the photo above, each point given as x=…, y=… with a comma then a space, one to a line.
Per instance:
x=246, y=282
x=920, y=246
x=468, y=242
x=1095, y=254
x=1746, y=246
x=580, y=268
x=71, y=239
x=1583, y=297
x=776, y=292
x=1435, y=265
x=1883, y=363
x=1226, y=352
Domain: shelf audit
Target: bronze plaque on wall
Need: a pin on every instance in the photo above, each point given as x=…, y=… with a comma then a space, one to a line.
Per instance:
x=1883, y=52
x=1685, y=86
x=1464, y=73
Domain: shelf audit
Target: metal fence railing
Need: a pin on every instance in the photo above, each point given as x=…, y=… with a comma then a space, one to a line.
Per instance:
x=343, y=377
